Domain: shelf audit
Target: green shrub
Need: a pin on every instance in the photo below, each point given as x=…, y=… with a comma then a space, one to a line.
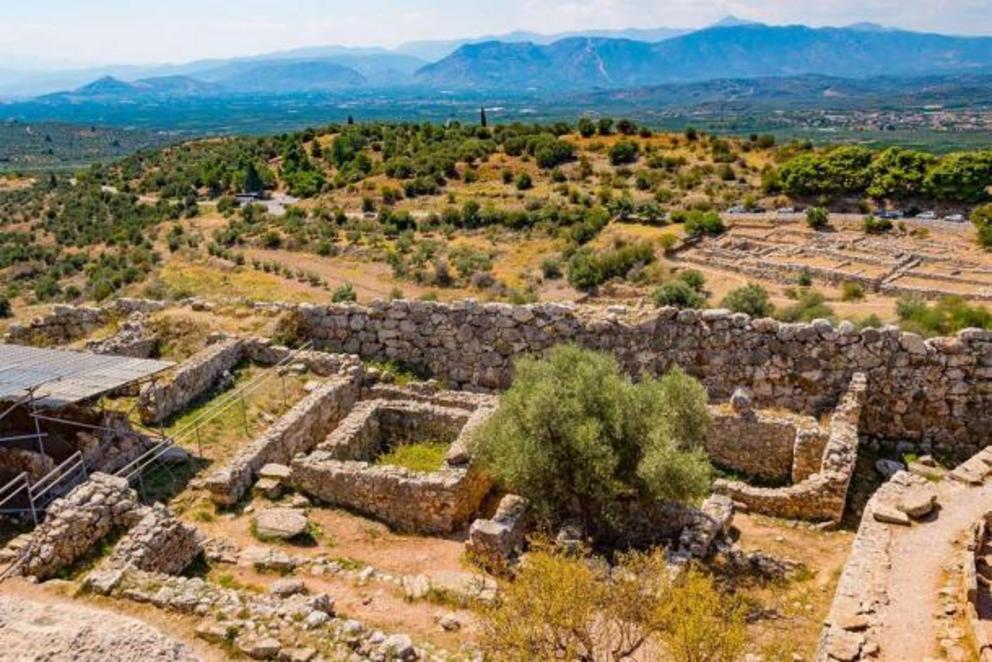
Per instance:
x=947, y=316
x=700, y=223
x=588, y=269
x=679, y=294
x=981, y=218
x=573, y=435
x=693, y=278
x=751, y=299
x=623, y=152
x=852, y=291
x=874, y=225
x=810, y=305
x=551, y=268
x=344, y=293
x=817, y=218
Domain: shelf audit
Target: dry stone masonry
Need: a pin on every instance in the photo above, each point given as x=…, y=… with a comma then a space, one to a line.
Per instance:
x=74, y=525
x=298, y=431
x=823, y=495
x=935, y=393
x=341, y=470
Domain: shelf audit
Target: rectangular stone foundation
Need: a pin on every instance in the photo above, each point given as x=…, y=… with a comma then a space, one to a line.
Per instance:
x=342, y=471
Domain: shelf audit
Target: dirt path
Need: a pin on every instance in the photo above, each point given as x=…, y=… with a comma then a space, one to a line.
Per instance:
x=919, y=555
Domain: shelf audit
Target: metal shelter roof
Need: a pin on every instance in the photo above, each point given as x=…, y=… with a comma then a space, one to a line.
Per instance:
x=62, y=377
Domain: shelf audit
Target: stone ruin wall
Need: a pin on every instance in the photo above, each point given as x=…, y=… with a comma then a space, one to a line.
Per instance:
x=153, y=539
x=66, y=323
x=823, y=495
x=202, y=371
x=341, y=470
x=157, y=543
x=193, y=378
x=298, y=431
x=936, y=393
x=774, y=447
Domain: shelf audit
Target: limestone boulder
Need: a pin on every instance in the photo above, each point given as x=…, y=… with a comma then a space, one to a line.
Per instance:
x=281, y=523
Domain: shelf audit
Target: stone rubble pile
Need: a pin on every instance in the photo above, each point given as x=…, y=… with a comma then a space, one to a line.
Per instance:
x=133, y=339
x=269, y=626
x=157, y=543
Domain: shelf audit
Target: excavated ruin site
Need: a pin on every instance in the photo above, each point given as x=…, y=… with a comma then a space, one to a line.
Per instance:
x=300, y=542
x=928, y=265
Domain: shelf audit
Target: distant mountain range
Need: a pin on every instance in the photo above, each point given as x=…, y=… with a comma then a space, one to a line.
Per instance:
x=744, y=51
x=529, y=63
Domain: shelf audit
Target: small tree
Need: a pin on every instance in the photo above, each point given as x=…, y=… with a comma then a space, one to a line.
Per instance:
x=751, y=299
x=817, y=218
x=623, y=152
x=574, y=435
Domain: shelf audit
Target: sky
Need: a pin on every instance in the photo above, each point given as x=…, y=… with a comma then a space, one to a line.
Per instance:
x=141, y=31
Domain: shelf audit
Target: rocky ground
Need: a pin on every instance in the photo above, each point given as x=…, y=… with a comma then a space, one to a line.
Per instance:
x=44, y=630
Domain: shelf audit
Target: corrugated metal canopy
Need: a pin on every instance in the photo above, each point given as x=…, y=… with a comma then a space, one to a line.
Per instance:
x=62, y=377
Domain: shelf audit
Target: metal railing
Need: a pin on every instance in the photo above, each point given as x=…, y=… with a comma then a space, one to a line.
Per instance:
x=137, y=467
x=43, y=491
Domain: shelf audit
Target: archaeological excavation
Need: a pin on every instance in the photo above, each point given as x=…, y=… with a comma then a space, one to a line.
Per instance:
x=323, y=500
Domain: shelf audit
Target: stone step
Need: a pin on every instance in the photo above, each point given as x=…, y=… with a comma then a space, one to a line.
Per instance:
x=966, y=476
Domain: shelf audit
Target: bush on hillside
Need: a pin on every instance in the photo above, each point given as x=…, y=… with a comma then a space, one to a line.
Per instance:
x=945, y=317
x=677, y=293
x=751, y=299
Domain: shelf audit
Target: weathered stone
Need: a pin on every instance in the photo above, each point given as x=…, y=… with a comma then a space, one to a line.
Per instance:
x=287, y=587
x=890, y=515
x=918, y=502
x=281, y=523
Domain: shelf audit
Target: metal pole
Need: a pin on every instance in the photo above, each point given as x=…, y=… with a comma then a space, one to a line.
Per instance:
x=244, y=415
x=37, y=425
x=199, y=441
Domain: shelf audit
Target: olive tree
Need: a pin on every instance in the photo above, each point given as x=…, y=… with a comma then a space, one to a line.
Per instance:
x=574, y=435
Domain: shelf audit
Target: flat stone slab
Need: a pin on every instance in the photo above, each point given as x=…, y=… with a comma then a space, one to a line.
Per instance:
x=890, y=515
x=275, y=472
x=918, y=502
x=281, y=523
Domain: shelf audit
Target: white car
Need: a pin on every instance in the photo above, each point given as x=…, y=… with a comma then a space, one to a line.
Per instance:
x=955, y=218
x=785, y=210
x=927, y=216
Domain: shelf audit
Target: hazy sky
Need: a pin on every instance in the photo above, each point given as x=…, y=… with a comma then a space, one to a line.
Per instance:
x=181, y=30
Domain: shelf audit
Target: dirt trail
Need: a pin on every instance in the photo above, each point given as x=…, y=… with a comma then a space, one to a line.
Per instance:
x=919, y=555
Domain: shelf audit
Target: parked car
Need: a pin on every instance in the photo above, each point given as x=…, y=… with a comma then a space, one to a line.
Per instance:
x=927, y=216
x=890, y=215
x=785, y=210
x=955, y=218
x=737, y=209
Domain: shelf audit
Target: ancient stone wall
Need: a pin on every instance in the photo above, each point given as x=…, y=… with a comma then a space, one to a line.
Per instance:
x=341, y=470
x=436, y=502
x=936, y=393
x=157, y=543
x=133, y=339
x=376, y=426
x=63, y=325
x=822, y=496
x=189, y=381
x=298, y=431
x=74, y=525
x=759, y=444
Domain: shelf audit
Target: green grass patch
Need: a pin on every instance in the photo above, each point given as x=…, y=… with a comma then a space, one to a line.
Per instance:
x=423, y=457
